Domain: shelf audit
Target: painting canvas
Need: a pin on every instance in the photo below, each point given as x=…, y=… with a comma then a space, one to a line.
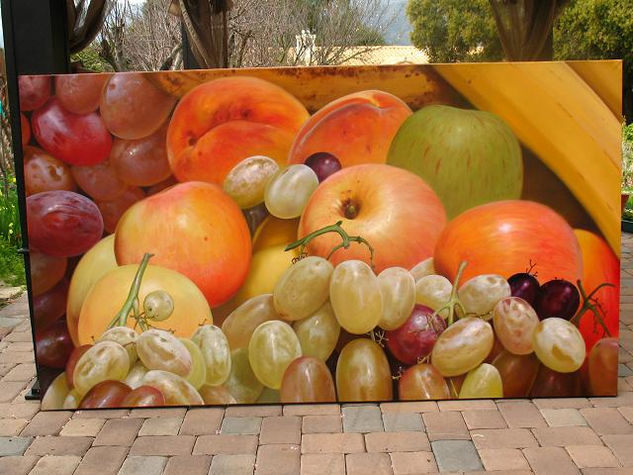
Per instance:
x=323, y=234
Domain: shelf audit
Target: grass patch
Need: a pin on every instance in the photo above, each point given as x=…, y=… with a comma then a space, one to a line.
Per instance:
x=11, y=265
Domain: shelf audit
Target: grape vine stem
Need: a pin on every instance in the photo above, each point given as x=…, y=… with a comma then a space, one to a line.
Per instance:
x=454, y=304
x=131, y=302
x=589, y=302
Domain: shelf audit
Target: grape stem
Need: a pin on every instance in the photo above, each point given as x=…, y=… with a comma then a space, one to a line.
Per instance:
x=347, y=240
x=454, y=304
x=589, y=302
x=131, y=302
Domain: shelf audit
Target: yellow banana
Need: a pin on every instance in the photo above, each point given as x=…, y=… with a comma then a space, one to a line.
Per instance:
x=603, y=76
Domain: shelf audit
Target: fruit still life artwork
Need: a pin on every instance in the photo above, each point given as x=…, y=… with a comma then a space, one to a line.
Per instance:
x=325, y=234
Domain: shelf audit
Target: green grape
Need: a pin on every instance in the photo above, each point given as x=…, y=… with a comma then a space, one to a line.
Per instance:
x=462, y=346
x=104, y=360
x=72, y=400
x=134, y=378
x=515, y=320
x=241, y=323
x=216, y=351
x=242, y=383
x=288, y=192
x=302, y=288
x=363, y=373
x=125, y=337
x=397, y=287
x=559, y=345
x=481, y=293
x=355, y=297
x=176, y=390
x=158, y=305
x=198, y=374
x=422, y=269
x=269, y=396
x=159, y=349
x=247, y=181
x=319, y=333
x=434, y=291
x=272, y=348
x=307, y=379
x=216, y=395
x=55, y=394
x=482, y=382
x=422, y=381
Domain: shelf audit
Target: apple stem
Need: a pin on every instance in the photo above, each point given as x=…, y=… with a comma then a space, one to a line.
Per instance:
x=131, y=302
x=589, y=302
x=333, y=228
x=454, y=304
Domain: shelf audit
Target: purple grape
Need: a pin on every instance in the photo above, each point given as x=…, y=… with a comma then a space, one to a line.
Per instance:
x=525, y=286
x=557, y=298
x=324, y=164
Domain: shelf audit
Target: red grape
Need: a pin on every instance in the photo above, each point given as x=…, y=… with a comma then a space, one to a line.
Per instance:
x=46, y=271
x=557, y=298
x=144, y=396
x=43, y=172
x=142, y=162
x=525, y=286
x=324, y=164
x=34, y=91
x=72, y=362
x=415, y=339
x=105, y=394
x=80, y=93
x=518, y=373
x=75, y=139
x=603, y=367
x=113, y=210
x=53, y=345
x=63, y=223
x=25, y=128
x=50, y=306
x=549, y=383
x=422, y=381
x=132, y=107
x=99, y=181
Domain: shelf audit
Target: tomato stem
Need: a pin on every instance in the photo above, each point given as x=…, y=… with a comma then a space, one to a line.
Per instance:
x=131, y=302
x=333, y=228
x=589, y=302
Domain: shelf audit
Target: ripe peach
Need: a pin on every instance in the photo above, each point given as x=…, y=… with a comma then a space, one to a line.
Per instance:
x=357, y=128
x=219, y=123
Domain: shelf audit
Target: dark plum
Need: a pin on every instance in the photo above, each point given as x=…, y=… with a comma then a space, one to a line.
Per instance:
x=415, y=339
x=324, y=164
x=557, y=298
x=525, y=286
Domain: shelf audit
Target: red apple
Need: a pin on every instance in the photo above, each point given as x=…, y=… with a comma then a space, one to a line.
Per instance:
x=393, y=209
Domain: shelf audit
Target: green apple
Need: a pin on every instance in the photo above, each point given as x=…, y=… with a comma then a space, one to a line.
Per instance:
x=469, y=157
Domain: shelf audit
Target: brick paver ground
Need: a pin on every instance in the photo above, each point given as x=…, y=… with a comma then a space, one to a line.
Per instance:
x=551, y=436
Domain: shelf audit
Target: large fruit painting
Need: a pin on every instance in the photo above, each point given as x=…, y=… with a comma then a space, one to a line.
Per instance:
x=321, y=235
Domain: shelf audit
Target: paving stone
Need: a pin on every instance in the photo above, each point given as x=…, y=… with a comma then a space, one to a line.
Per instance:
x=12, y=427
x=345, y=443
x=550, y=460
x=374, y=463
x=588, y=456
x=9, y=390
x=563, y=436
x=164, y=445
x=621, y=447
x=56, y=465
x=323, y=464
x=621, y=400
x=278, y=459
x=232, y=465
x=445, y=425
x=485, y=419
x=362, y=419
x=627, y=412
x=397, y=442
x=101, y=414
x=21, y=372
x=257, y=410
x=20, y=410
x=161, y=426
x=143, y=465
x=311, y=409
x=281, y=430
x=102, y=460
x=409, y=406
x=118, y=432
x=55, y=445
x=562, y=403
x=154, y=412
x=466, y=405
x=401, y=422
x=202, y=421
x=606, y=421
x=503, y=459
x=241, y=425
x=521, y=414
x=14, y=445
x=17, y=464
x=503, y=438
x=456, y=455
x=413, y=463
x=83, y=427
x=188, y=465
x=312, y=424
x=225, y=444
x=606, y=471
x=563, y=417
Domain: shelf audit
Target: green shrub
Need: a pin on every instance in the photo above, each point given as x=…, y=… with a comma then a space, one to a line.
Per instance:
x=11, y=264
x=10, y=216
